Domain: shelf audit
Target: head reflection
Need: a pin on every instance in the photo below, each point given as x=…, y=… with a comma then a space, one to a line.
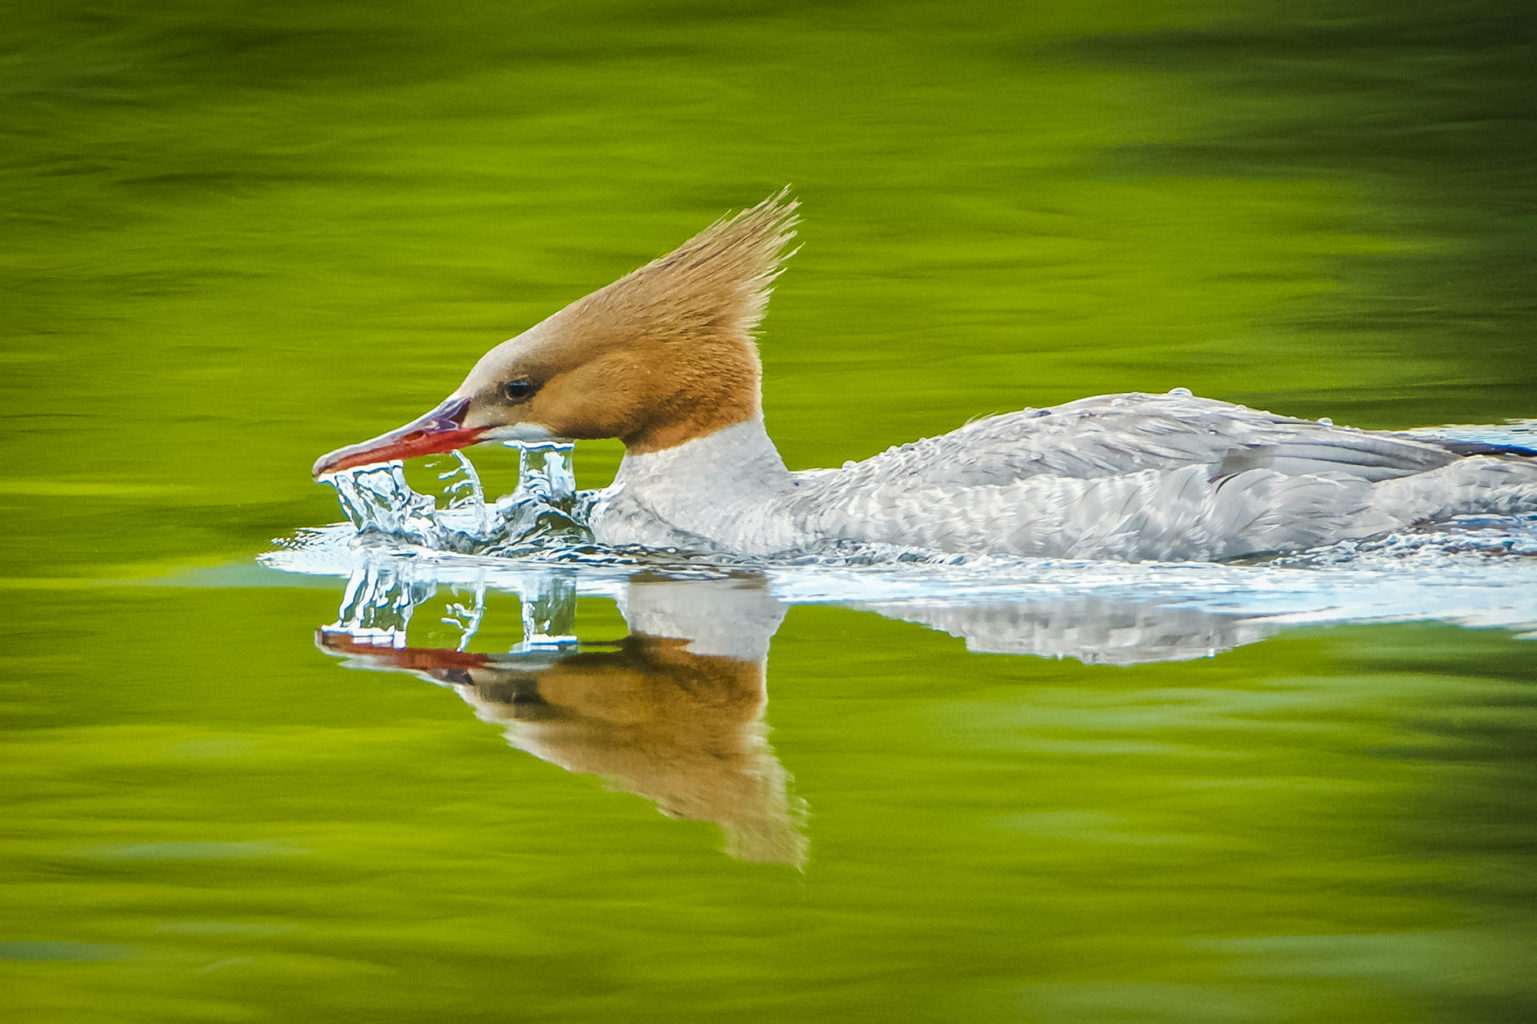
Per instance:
x=674, y=712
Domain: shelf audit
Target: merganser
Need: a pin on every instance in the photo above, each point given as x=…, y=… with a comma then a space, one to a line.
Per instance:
x=665, y=360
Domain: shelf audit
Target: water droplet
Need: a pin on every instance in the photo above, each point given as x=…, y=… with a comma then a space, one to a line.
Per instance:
x=1181, y=393
x=1325, y=421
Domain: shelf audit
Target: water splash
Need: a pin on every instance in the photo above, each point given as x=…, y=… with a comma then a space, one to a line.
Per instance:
x=545, y=509
x=545, y=469
x=462, y=489
x=377, y=499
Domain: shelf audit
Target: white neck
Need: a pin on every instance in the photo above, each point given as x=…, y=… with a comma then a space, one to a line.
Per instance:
x=741, y=453
x=728, y=488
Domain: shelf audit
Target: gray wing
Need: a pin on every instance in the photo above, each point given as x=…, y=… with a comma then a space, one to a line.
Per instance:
x=1167, y=477
x=1111, y=435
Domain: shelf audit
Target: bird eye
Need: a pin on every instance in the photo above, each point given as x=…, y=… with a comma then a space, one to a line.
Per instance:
x=517, y=390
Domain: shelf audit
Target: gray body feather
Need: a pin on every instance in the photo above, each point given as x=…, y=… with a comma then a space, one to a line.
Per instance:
x=1131, y=477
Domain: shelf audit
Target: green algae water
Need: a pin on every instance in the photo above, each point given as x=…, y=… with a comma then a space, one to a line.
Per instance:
x=235, y=237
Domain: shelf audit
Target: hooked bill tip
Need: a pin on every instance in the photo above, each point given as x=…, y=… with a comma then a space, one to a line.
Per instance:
x=440, y=430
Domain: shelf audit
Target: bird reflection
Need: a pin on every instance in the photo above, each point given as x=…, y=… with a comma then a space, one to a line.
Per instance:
x=674, y=712
x=1094, y=630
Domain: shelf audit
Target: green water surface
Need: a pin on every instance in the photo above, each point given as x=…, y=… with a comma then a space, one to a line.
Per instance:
x=234, y=236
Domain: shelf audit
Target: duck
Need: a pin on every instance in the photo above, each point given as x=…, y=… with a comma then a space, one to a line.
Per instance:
x=666, y=360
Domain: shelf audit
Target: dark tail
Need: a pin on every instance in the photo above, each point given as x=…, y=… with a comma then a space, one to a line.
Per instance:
x=1480, y=448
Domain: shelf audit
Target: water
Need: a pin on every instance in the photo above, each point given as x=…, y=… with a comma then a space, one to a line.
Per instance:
x=235, y=238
